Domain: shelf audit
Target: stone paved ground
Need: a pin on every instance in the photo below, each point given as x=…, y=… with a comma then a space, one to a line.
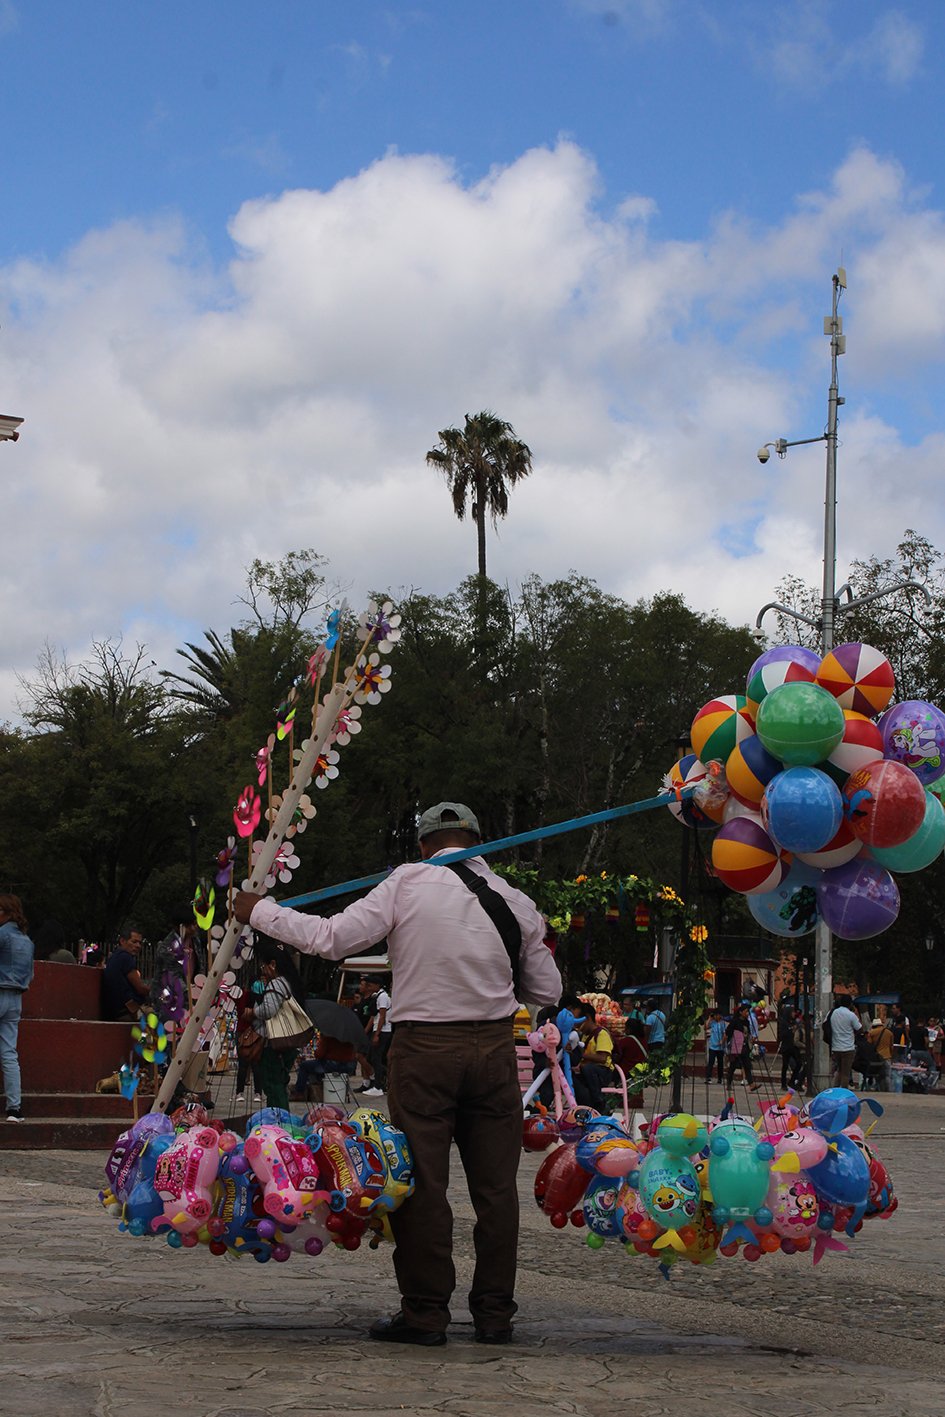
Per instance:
x=92, y=1322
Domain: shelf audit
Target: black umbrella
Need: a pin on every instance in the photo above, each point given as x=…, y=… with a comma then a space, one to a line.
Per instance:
x=335, y=1021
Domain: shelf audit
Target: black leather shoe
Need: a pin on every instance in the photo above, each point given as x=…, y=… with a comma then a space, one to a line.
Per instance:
x=493, y=1335
x=397, y=1330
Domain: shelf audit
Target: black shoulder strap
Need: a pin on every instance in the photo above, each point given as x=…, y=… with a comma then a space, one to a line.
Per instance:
x=498, y=911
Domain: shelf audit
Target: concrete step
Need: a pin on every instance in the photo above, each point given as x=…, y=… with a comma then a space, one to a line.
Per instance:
x=70, y=1054
x=80, y=1105
x=60, y=1133
x=64, y=991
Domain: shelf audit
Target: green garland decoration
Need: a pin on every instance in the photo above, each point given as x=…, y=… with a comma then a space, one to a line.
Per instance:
x=561, y=901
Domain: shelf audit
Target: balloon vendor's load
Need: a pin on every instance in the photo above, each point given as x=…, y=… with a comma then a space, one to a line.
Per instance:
x=789, y=1182
x=819, y=790
x=291, y=1185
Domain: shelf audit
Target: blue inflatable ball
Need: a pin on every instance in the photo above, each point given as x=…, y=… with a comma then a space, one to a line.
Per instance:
x=791, y=910
x=802, y=809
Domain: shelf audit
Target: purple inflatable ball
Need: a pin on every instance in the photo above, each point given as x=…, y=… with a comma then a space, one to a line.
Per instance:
x=914, y=734
x=858, y=900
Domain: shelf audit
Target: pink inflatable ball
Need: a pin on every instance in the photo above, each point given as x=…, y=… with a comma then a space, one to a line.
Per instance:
x=800, y=724
x=914, y=735
x=842, y=848
x=861, y=744
x=859, y=677
x=784, y=668
x=885, y=803
x=859, y=900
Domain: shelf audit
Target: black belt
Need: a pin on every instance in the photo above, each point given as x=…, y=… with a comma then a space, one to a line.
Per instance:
x=10, y=989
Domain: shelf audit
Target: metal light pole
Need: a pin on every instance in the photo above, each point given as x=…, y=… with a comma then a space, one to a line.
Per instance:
x=830, y=611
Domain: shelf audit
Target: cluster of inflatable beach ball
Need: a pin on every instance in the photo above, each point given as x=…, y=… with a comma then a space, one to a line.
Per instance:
x=819, y=788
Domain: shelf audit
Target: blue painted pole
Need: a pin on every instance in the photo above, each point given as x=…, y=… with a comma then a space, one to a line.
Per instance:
x=485, y=848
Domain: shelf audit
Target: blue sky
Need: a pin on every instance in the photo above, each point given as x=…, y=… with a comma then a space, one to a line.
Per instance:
x=253, y=256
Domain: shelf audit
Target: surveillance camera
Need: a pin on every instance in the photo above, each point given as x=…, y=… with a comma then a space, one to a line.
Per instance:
x=759, y=635
x=764, y=454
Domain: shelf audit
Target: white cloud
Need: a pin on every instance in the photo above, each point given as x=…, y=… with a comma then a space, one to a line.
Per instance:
x=181, y=420
x=808, y=43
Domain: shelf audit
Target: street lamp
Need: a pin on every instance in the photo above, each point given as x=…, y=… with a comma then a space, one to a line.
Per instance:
x=831, y=610
x=8, y=428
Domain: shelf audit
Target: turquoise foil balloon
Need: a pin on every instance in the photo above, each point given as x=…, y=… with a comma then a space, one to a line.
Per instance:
x=923, y=847
x=739, y=1170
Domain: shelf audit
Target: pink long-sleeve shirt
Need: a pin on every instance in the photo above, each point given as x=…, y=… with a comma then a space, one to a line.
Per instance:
x=447, y=958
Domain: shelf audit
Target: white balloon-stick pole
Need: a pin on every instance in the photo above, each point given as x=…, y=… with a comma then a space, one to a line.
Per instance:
x=536, y=1085
x=327, y=717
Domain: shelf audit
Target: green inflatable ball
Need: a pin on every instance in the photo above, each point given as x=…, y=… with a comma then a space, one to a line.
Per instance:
x=922, y=847
x=800, y=723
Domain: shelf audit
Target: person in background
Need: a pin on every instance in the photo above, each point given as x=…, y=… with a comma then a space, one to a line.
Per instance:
x=899, y=1024
x=381, y=1039
x=655, y=1028
x=123, y=989
x=280, y=980
x=16, y=975
x=845, y=1025
x=715, y=1045
x=453, y=1069
x=880, y=1035
x=934, y=1034
x=596, y=1068
x=919, y=1044
x=636, y=1019
x=797, y=1052
x=738, y=1041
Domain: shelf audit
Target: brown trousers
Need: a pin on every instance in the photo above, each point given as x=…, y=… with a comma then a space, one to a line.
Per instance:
x=457, y=1082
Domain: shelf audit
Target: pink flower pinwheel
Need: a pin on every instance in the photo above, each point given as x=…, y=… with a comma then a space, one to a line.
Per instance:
x=263, y=759
x=346, y=725
x=325, y=769
x=284, y=863
x=372, y=679
x=247, y=812
x=316, y=665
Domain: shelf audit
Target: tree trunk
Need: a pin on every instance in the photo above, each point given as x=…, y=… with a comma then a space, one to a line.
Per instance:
x=479, y=512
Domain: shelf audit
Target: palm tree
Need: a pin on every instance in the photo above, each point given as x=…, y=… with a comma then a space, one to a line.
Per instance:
x=480, y=463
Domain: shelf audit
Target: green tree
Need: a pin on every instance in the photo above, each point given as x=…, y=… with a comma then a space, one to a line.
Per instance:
x=480, y=463
x=109, y=783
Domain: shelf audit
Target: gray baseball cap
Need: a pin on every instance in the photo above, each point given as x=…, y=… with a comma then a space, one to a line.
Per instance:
x=448, y=816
